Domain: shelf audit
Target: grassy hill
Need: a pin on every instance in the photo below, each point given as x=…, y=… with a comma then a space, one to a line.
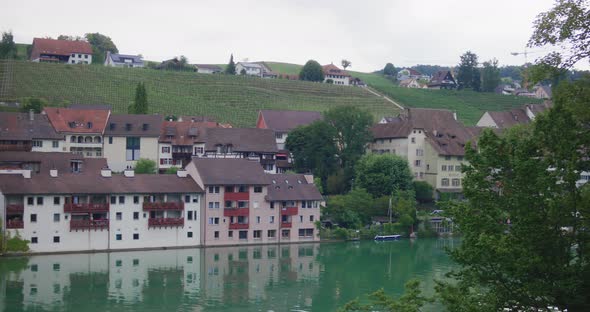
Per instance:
x=233, y=99
x=469, y=105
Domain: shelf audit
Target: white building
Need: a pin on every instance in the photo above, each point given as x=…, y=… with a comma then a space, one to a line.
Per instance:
x=335, y=75
x=207, y=69
x=250, y=69
x=61, y=51
x=123, y=60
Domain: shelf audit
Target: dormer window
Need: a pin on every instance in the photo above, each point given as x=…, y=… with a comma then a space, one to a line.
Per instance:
x=145, y=127
x=290, y=187
x=299, y=181
x=277, y=187
x=274, y=182
x=287, y=181
x=72, y=124
x=112, y=126
x=89, y=125
x=128, y=127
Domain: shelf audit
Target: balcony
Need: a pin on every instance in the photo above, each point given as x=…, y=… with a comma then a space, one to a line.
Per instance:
x=286, y=225
x=239, y=226
x=236, y=196
x=15, y=147
x=165, y=222
x=289, y=211
x=15, y=208
x=15, y=224
x=163, y=206
x=89, y=224
x=86, y=207
x=236, y=212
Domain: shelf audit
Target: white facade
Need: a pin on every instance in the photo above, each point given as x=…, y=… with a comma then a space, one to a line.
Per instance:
x=487, y=121
x=119, y=157
x=251, y=69
x=44, y=145
x=338, y=79
x=80, y=58
x=86, y=144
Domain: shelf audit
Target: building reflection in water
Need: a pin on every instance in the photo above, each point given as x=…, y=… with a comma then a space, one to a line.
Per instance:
x=180, y=279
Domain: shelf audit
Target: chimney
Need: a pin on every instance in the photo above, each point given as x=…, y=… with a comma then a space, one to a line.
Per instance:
x=53, y=173
x=26, y=174
x=105, y=172
x=455, y=115
x=31, y=115
x=181, y=173
x=129, y=173
x=179, y=119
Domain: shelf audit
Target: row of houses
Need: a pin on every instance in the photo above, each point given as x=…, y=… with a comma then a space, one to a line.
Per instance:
x=63, y=202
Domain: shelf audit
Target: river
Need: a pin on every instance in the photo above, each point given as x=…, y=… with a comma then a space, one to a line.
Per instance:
x=297, y=277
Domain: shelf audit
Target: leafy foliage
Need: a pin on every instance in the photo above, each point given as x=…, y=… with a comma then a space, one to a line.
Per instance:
x=171, y=170
x=411, y=301
x=16, y=243
x=7, y=46
x=312, y=71
x=100, y=45
x=490, y=75
x=468, y=73
x=350, y=210
x=140, y=105
x=389, y=70
x=346, y=64
x=383, y=174
x=145, y=166
x=230, y=69
x=424, y=191
x=36, y=104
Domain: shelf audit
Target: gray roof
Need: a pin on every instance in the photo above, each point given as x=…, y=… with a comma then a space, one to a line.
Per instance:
x=19, y=126
x=120, y=58
x=230, y=171
x=285, y=120
x=134, y=125
x=208, y=66
x=241, y=139
x=291, y=187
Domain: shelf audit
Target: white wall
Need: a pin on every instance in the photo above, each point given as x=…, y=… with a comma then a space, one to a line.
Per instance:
x=487, y=121
x=48, y=146
x=116, y=154
x=80, y=58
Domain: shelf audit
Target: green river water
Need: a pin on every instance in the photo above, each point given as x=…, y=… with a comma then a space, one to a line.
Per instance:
x=296, y=277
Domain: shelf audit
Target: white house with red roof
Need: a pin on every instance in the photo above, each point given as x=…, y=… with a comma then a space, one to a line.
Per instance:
x=336, y=75
x=61, y=51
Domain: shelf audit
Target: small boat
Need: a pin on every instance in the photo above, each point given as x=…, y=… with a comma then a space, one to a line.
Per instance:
x=387, y=237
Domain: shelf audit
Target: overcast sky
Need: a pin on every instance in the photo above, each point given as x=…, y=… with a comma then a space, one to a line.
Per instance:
x=368, y=33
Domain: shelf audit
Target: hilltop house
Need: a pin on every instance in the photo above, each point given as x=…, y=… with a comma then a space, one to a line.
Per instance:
x=411, y=83
x=442, y=80
x=408, y=73
x=336, y=75
x=207, y=69
x=250, y=69
x=61, y=51
x=122, y=60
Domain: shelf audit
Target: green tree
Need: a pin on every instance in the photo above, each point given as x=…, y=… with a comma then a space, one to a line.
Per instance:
x=145, y=166
x=140, y=104
x=36, y=104
x=171, y=170
x=424, y=191
x=567, y=27
x=468, y=73
x=7, y=46
x=528, y=176
x=311, y=71
x=382, y=174
x=350, y=210
x=230, y=69
x=411, y=301
x=490, y=75
x=100, y=45
x=346, y=64
x=389, y=70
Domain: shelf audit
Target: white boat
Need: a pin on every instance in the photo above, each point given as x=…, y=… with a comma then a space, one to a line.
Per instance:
x=387, y=237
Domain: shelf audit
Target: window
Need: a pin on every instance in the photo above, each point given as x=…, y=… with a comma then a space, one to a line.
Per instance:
x=85, y=56
x=243, y=234
x=444, y=168
x=55, y=144
x=166, y=149
x=285, y=233
x=444, y=182
x=37, y=143
x=189, y=215
x=413, y=140
x=56, y=200
x=216, y=205
x=39, y=200
x=418, y=163
x=311, y=218
x=214, y=189
x=242, y=204
x=460, y=158
x=135, y=215
x=216, y=234
x=121, y=200
x=135, y=236
x=271, y=233
x=30, y=201
x=56, y=239
x=257, y=219
x=136, y=199
x=189, y=234
x=301, y=232
x=456, y=182
x=278, y=135
x=187, y=199
x=132, y=151
x=300, y=219
x=230, y=234
x=34, y=240
x=210, y=205
x=419, y=152
x=272, y=205
x=119, y=237
x=119, y=216
x=33, y=217
x=257, y=234
x=271, y=219
x=258, y=189
x=214, y=221
x=113, y=200
x=447, y=157
x=56, y=217
x=458, y=168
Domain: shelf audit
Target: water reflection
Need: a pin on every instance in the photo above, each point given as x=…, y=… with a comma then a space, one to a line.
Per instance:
x=256, y=278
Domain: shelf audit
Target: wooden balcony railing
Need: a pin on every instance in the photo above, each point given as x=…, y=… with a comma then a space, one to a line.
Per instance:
x=163, y=206
x=286, y=224
x=238, y=226
x=236, y=196
x=289, y=211
x=15, y=208
x=236, y=212
x=15, y=224
x=15, y=147
x=165, y=222
x=89, y=224
x=86, y=207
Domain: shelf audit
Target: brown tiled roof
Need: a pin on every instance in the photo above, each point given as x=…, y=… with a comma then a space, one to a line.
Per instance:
x=539, y=108
x=242, y=139
x=77, y=120
x=507, y=119
x=50, y=160
x=285, y=120
x=134, y=125
x=96, y=184
x=399, y=128
x=332, y=69
x=19, y=126
x=291, y=187
x=58, y=47
x=230, y=171
x=196, y=118
x=184, y=132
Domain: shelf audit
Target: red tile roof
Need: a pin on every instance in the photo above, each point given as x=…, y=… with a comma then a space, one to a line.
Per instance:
x=185, y=132
x=77, y=120
x=332, y=69
x=58, y=47
x=284, y=120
